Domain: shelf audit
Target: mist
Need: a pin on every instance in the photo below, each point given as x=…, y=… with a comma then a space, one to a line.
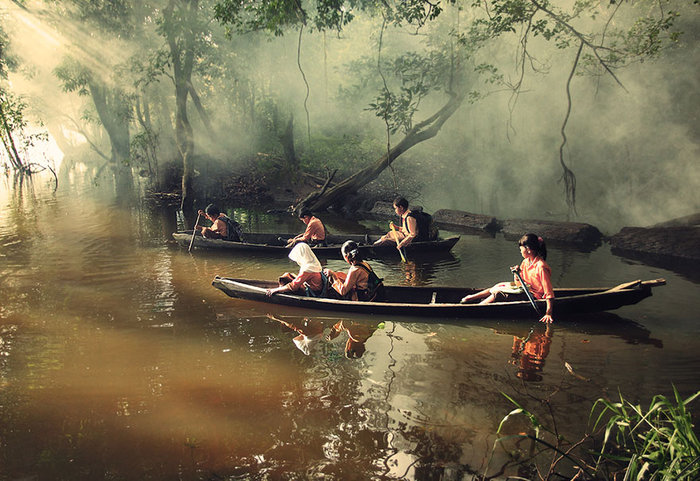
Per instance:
x=633, y=149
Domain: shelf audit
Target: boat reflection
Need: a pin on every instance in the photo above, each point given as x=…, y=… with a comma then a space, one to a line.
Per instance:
x=310, y=333
x=424, y=270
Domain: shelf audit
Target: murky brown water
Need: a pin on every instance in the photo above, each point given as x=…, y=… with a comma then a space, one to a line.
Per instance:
x=118, y=360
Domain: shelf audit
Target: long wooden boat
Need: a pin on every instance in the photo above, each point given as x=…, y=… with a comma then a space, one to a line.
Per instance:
x=276, y=244
x=444, y=301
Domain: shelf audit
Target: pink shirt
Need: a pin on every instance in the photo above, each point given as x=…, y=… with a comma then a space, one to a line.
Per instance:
x=538, y=275
x=313, y=278
x=314, y=230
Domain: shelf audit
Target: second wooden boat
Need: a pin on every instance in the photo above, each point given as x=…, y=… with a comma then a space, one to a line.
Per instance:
x=275, y=244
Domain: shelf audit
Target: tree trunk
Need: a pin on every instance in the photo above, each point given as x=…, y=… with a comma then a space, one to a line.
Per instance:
x=181, y=44
x=200, y=109
x=9, y=143
x=113, y=109
x=321, y=200
x=287, y=141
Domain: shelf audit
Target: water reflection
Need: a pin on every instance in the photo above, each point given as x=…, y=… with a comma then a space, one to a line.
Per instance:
x=311, y=332
x=423, y=270
x=357, y=333
x=118, y=359
x=529, y=353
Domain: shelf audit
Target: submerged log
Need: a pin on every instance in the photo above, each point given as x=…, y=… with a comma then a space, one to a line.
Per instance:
x=554, y=232
x=383, y=210
x=692, y=220
x=462, y=221
x=679, y=242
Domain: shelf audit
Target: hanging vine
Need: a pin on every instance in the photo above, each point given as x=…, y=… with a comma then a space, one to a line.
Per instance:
x=568, y=176
x=306, y=83
x=387, y=98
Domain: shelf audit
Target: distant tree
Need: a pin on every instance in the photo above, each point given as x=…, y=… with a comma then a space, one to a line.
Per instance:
x=602, y=38
x=13, y=121
x=94, y=77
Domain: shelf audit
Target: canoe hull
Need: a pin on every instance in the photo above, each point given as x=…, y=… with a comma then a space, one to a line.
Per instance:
x=271, y=244
x=427, y=302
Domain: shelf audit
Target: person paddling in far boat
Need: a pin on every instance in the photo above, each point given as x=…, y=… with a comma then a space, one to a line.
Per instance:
x=309, y=272
x=315, y=233
x=223, y=227
x=535, y=272
x=218, y=229
x=354, y=285
x=408, y=231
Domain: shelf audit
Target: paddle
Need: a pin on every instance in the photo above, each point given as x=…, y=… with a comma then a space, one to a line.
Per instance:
x=516, y=271
x=194, y=231
x=396, y=239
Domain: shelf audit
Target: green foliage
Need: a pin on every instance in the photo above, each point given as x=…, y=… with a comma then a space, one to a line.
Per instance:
x=656, y=443
x=74, y=76
x=347, y=153
x=275, y=16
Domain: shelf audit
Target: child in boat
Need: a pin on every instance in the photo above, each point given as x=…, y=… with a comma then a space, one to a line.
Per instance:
x=415, y=226
x=534, y=271
x=222, y=227
x=355, y=285
x=315, y=232
x=309, y=272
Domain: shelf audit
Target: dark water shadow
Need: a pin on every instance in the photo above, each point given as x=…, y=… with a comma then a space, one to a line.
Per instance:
x=687, y=268
x=595, y=324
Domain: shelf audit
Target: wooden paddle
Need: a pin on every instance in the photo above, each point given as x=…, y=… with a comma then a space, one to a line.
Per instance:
x=516, y=271
x=396, y=239
x=194, y=231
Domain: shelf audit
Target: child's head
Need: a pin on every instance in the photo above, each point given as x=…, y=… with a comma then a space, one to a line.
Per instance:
x=212, y=211
x=351, y=252
x=305, y=214
x=400, y=205
x=535, y=244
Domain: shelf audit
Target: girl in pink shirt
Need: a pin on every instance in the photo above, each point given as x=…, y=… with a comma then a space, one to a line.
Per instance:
x=535, y=272
x=309, y=272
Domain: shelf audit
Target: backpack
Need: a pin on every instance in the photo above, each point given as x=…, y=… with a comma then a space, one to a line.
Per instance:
x=375, y=284
x=233, y=229
x=324, y=287
x=427, y=230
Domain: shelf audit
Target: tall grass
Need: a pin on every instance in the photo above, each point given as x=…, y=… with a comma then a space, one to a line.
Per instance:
x=658, y=443
x=654, y=444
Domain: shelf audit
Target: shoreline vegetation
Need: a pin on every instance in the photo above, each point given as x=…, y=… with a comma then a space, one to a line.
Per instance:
x=626, y=441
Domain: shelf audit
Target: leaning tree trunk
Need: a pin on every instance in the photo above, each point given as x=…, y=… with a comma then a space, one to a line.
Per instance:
x=324, y=198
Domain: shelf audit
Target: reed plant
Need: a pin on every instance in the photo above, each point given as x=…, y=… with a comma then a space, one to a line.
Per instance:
x=658, y=443
x=654, y=444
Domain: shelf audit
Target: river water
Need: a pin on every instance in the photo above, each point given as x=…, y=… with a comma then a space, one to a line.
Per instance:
x=119, y=360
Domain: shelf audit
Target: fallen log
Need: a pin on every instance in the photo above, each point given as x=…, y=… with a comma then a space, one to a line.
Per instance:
x=679, y=242
x=584, y=236
x=462, y=221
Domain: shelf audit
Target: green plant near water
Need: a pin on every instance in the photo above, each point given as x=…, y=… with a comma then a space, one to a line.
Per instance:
x=658, y=443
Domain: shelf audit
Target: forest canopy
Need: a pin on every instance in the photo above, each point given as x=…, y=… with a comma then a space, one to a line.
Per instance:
x=469, y=103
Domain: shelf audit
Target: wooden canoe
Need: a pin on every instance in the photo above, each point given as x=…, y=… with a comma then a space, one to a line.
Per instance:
x=271, y=244
x=444, y=301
